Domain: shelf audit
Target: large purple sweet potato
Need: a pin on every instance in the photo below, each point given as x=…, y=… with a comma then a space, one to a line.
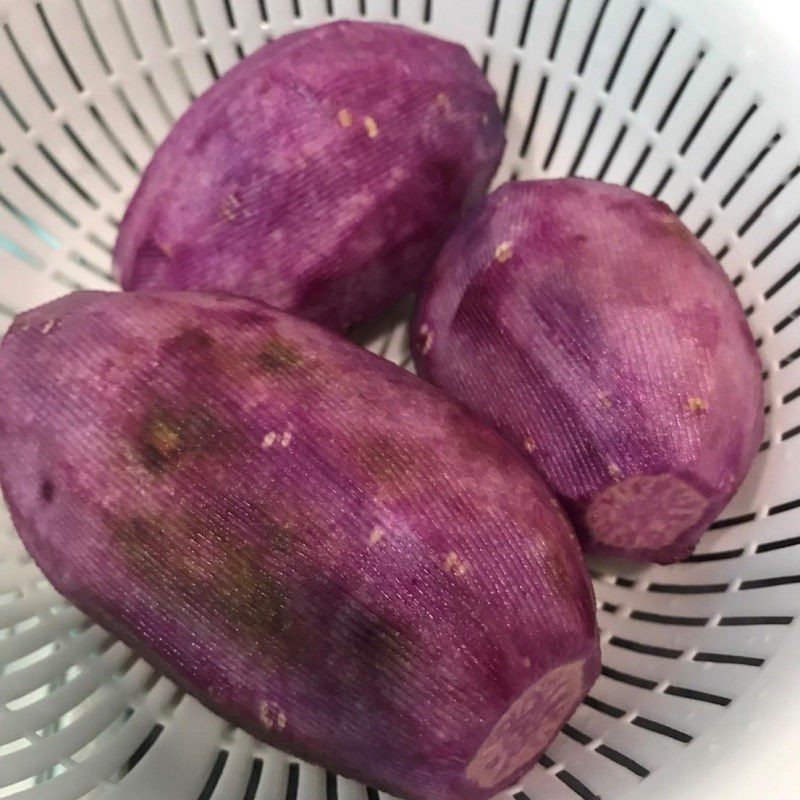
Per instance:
x=589, y=326
x=318, y=545
x=322, y=174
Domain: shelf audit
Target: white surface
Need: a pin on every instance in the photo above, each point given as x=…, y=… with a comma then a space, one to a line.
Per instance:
x=75, y=705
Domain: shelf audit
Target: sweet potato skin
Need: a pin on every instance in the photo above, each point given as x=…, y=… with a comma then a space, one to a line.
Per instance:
x=316, y=544
x=328, y=168
x=586, y=324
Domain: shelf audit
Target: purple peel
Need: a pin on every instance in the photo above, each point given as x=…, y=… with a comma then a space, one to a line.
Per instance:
x=587, y=325
x=319, y=546
x=321, y=175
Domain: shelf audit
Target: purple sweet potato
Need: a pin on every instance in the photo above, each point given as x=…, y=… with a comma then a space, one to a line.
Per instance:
x=328, y=168
x=588, y=325
x=319, y=546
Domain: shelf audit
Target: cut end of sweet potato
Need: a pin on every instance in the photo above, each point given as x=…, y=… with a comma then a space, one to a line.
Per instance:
x=528, y=726
x=648, y=511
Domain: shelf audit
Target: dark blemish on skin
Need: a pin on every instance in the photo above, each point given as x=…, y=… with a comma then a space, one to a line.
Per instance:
x=385, y=459
x=277, y=357
x=192, y=341
x=47, y=490
x=165, y=438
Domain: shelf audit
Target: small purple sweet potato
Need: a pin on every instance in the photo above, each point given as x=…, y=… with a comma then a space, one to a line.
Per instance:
x=321, y=174
x=587, y=324
x=318, y=545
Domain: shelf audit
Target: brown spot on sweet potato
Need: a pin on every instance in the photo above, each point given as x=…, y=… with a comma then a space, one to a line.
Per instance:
x=385, y=459
x=278, y=357
x=166, y=437
x=442, y=101
x=47, y=490
x=696, y=404
x=503, y=252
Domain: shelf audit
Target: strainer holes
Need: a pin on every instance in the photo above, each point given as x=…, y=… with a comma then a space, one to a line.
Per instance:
x=67, y=177
x=623, y=51
x=662, y=184
x=706, y=113
x=142, y=750
x=112, y=137
x=775, y=619
x=14, y=111
x=546, y=761
x=264, y=11
x=612, y=152
x=766, y=583
x=535, y=109
x=298, y=12
x=214, y=775
x=759, y=210
x=292, y=781
x=651, y=71
x=212, y=67
x=609, y=608
x=725, y=146
x=161, y=103
x=492, y=27
x=626, y=677
x=331, y=787
x=701, y=231
x=777, y=241
x=729, y=522
x=645, y=649
x=791, y=433
x=724, y=658
x=229, y=16
x=62, y=56
x=96, y=166
x=573, y=170
x=667, y=619
x=26, y=65
x=660, y=728
x=751, y=167
x=127, y=32
x=576, y=735
x=786, y=360
x=624, y=761
x=778, y=544
x=93, y=40
x=787, y=320
x=551, y=54
x=526, y=24
x=688, y=588
x=559, y=129
x=162, y=23
x=637, y=168
x=685, y=203
x=580, y=788
x=676, y=97
x=721, y=555
x=485, y=64
x=372, y=794
x=512, y=85
x=592, y=36
x=722, y=252
x=89, y=266
x=44, y=197
x=50, y=240
x=603, y=707
x=695, y=694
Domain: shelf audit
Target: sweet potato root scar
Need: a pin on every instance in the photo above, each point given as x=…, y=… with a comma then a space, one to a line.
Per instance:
x=527, y=726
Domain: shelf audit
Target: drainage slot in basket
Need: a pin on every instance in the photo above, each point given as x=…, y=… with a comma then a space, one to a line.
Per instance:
x=612, y=76
x=576, y=735
x=648, y=77
x=331, y=789
x=624, y=761
x=625, y=677
x=688, y=588
x=603, y=707
x=580, y=789
x=592, y=36
x=292, y=782
x=526, y=24
x=646, y=649
x=660, y=728
x=751, y=167
x=666, y=619
x=142, y=749
x=214, y=776
x=779, y=544
x=729, y=522
x=722, y=658
x=765, y=583
x=255, y=778
x=721, y=555
x=694, y=694
x=725, y=146
x=728, y=622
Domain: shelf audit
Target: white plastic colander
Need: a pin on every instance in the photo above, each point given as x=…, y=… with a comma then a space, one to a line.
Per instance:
x=695, y=101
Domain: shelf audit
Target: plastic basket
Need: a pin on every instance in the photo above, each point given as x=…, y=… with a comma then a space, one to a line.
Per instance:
x=694, y=101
